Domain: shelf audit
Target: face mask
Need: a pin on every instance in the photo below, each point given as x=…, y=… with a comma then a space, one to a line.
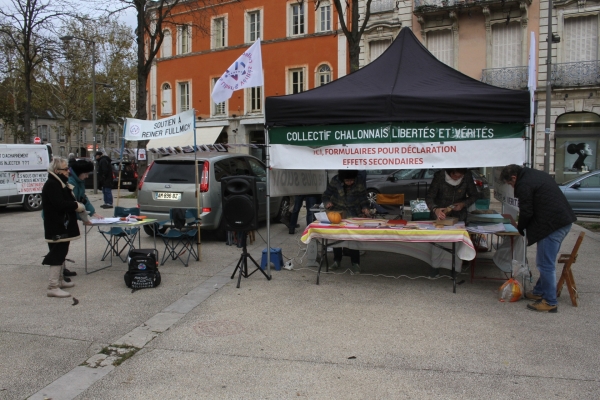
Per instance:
x=451, y=181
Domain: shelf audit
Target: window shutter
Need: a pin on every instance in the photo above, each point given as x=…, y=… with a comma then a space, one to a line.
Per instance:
x=506, y=45
x=166, y=101
x=441, y=45
x=377, y=47
x=581, y=39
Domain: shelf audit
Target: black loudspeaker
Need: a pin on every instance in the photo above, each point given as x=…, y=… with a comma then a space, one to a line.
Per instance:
x=240, y=203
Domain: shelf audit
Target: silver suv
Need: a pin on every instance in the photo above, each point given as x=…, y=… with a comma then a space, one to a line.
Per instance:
x=169, y=182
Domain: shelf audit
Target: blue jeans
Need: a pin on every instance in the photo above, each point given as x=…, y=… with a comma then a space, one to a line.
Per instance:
x=108, y=198
x=311, y=200
x=547, y=251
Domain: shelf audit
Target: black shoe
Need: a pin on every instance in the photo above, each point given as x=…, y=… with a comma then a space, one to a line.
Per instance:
x=66, y=279
x=292, y=231
x=66, y=272
x=109, y=206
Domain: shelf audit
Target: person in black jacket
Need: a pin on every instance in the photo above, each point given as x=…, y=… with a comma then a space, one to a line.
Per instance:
x=105, y=179
x=545, y=218
x=59, y=210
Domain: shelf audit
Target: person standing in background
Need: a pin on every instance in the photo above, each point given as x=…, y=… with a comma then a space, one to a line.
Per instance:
x=105, y=179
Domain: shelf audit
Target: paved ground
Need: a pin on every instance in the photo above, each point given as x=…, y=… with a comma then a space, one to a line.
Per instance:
x=381, y=334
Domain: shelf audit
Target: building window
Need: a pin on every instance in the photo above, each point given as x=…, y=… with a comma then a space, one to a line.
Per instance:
x=382, y=5
x=581, y=39
x=184, y=96
x=184, y=39
x=377, y=47
x=219, y=35
x=43, y=132
x=324, y=17
x=1, y=132
x=112, y=136
x=62, y=151
x=254, y=99
x=506, y=45
x=441, y=45
x=82, y=135
x=62, y=138
x=165, y=104
x=323, y=75
x=166, y=48
x=296, y=81
x=253, y=26
x=297, y=19
x=218, y=109
x=99, y=137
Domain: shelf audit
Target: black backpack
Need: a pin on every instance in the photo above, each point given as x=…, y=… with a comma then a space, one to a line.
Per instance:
x=143, y=269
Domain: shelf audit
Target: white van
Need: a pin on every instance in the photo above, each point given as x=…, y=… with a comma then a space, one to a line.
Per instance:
x=23, y=172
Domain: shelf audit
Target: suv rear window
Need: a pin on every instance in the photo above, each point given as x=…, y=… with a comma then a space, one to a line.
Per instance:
x=167, y=172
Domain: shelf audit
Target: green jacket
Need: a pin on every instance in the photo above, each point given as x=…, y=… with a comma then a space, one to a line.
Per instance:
x=79, y=192
x=352, y=200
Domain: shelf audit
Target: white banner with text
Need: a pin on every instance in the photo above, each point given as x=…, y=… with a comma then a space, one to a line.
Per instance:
x=476, y=153
x=179, y=124
x=296, y=182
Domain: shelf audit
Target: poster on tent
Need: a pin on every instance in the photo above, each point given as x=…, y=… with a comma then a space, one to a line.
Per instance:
x=397, y=146
x=176, y=125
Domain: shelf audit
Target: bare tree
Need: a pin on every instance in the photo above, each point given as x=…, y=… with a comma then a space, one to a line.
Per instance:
x=352, y=28
x=25, y=25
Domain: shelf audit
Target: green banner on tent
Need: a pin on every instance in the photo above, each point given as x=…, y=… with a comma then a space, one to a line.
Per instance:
x=327, y=135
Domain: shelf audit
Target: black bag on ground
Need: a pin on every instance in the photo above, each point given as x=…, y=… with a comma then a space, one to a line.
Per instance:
x=143, y=269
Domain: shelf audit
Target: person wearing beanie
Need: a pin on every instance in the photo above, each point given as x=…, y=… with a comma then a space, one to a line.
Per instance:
x=347, y=193
x=105, y=179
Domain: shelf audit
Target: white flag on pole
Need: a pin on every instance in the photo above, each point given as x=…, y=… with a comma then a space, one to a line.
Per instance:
x=245, y=72
x=532, y=75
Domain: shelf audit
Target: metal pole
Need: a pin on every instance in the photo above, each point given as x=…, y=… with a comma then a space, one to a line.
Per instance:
x=94, y=116
x=548, y=91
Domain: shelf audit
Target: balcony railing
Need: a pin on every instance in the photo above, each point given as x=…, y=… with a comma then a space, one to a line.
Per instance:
x=382, y=5
x=437, y=3
x=508, y=77
x=582, y=73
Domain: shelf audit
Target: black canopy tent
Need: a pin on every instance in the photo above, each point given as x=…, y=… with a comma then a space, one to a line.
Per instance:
x=405, y=84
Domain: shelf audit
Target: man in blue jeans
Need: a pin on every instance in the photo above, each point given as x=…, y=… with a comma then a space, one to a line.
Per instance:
x=545, y=216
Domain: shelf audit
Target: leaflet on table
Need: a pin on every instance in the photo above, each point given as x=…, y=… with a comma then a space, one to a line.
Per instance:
x=104, y=220
x=493, y=228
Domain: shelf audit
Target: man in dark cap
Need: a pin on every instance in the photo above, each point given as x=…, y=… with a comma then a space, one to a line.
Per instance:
x=105, y=179
x=545, y=218
x=347, y=193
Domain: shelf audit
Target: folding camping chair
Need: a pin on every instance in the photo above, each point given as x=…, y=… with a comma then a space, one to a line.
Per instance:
x=181, y=237
x=392, y=203
x=566, y=277
x=117, y=236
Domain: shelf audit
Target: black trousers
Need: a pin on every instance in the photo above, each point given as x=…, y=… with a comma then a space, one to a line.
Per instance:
x=339, y=251
x=57, y=254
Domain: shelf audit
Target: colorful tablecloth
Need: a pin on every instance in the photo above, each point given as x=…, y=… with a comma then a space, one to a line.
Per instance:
x=412, y=242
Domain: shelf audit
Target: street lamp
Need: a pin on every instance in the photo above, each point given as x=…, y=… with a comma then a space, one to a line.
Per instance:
x=67, y=39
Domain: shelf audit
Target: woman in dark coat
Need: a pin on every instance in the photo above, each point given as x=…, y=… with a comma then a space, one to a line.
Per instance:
x=451, y=188
x=59, y=210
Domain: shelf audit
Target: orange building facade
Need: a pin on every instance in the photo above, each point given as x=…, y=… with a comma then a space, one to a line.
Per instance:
x=301, y=50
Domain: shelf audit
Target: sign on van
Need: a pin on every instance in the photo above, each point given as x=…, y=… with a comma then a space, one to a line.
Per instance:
x=23, y=157
x=31, y=182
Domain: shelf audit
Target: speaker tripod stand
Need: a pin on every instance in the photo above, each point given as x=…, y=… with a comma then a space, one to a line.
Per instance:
x=242, y=264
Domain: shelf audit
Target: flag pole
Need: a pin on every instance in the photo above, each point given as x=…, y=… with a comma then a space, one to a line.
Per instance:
x=198, y=209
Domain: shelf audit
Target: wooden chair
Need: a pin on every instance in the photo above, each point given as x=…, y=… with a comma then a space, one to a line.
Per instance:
x=567, y=275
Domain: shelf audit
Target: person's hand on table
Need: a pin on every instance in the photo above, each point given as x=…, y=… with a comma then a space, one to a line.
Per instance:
x=328, y=204
x=88, y=222
x=366, y=212
x=439, y=213
x=458, y=206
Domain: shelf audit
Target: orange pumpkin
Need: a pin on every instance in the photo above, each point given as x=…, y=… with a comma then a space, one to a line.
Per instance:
x=334, y=217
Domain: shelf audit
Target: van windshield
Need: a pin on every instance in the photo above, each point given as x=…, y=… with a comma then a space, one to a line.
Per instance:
x=167, y=172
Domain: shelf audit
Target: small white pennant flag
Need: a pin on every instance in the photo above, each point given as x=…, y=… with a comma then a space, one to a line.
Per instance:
x=245, y=72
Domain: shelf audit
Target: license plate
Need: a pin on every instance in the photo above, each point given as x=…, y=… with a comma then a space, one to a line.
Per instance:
x=167, y=196
x=125, y=183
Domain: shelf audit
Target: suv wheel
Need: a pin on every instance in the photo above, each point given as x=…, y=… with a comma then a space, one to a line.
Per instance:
x=284, y=208
x=149, y=229
x=33, y=202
